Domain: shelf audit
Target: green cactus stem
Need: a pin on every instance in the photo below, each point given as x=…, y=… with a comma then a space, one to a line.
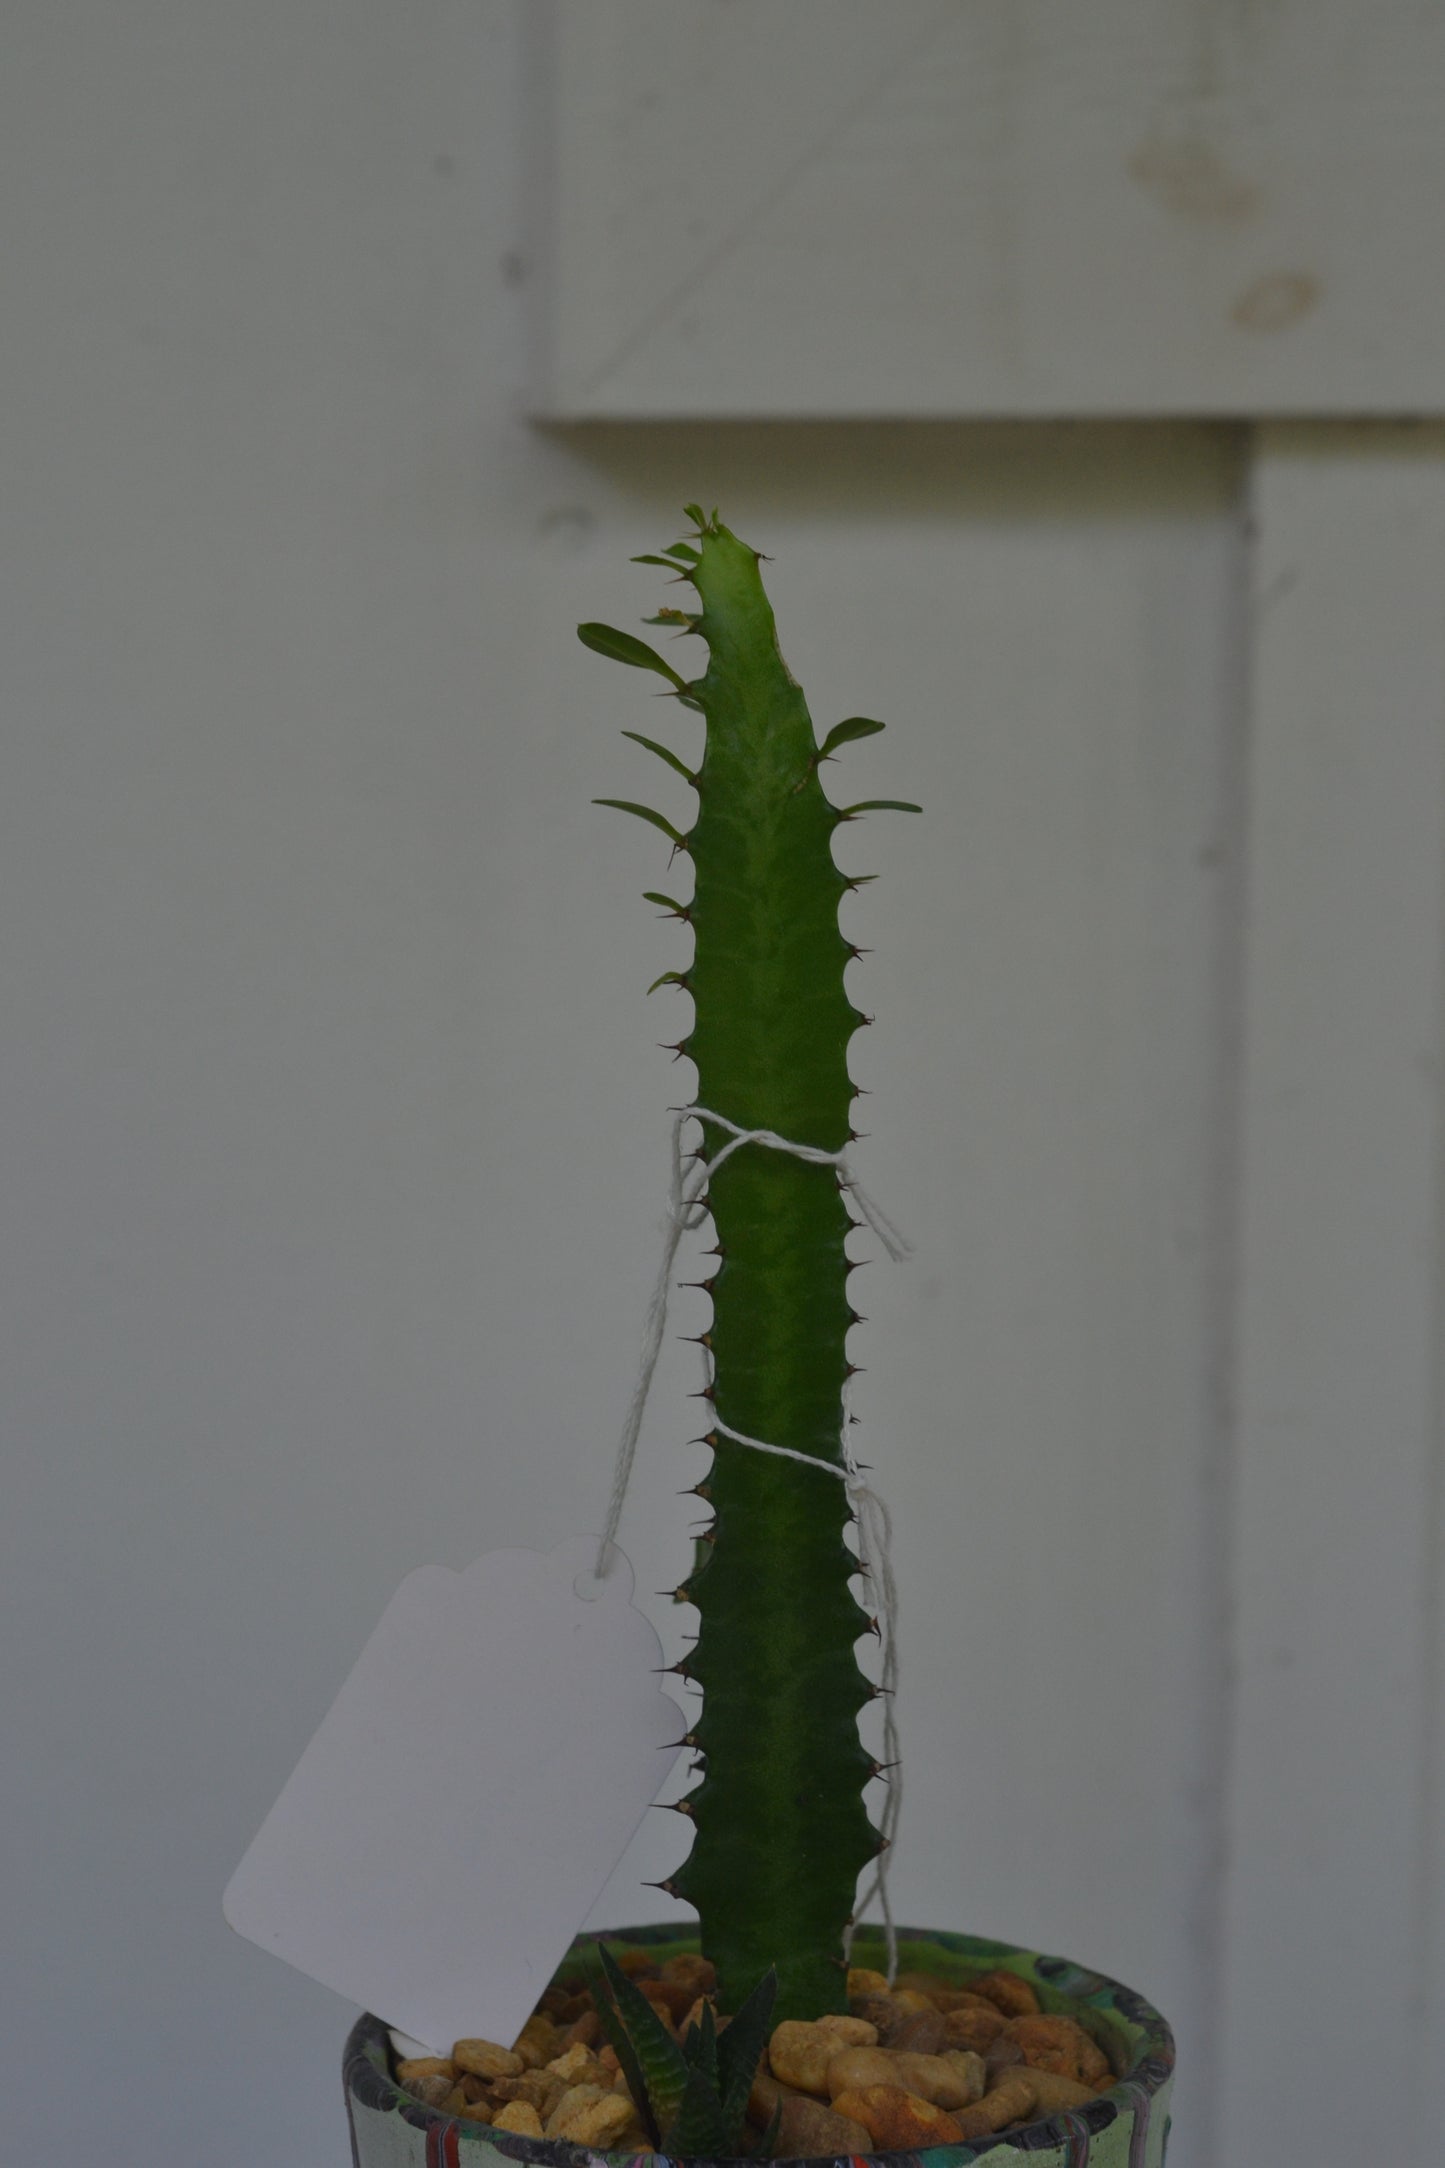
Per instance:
x=781, y=1829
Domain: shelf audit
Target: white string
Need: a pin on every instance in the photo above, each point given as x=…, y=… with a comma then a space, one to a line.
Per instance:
x=687, y=1208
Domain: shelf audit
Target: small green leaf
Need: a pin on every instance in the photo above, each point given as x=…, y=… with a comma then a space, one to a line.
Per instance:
x=669, y=903
x=684, y=553
x=687, y=620
x=856, y=726
x=662, y=753
x=694, y=513
x=700, y=2045
x=625, y=647
x=645, y=813
x=649, y=558
x=873, y=805
x=668, y=978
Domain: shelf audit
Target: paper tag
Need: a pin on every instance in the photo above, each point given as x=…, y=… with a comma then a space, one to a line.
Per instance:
x=468, y=1794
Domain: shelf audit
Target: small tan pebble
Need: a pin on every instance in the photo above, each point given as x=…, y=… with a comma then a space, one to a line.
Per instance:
x=537, y=2087
x=863, y=1982
x=1059, y=2044
x=875, y=2009
x=898, y=2121
x=974, y=2026
x=853, y=2068
x=607, y=2057
x=806, y=2129
x=931, y=1984
x=584, y=2031
x=909, y=1998
x=692, y=2015
x=919, y=2032
x=1051, y=2092
x=947, y=2083
x=520, y=2117
x=766, y=2095
x=799, y=2054
x=571, y=2103
x=970, y=2066
x=596, y=2123
x=959, y=1998
x=697, y=1973
x=433, y=2091
x=1007, y=1992
x=538, y=2041
x=578, y=2063
x=410, y=2068
x=1002, y=2054
x=1010, y=2101
x=475, y=2088
x=484, y=2059
x=636, y=1964
x=849, y=2032
x=456, y=2102
x=478, y=2111
x=554, y=2004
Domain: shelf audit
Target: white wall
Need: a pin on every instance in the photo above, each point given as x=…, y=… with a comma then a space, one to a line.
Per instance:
x=331, y=1114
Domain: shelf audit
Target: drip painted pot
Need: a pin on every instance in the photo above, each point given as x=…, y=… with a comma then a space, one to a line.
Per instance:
x=1127, y=2127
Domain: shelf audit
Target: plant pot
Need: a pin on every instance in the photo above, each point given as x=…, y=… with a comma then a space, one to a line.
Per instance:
x=1124, y=2128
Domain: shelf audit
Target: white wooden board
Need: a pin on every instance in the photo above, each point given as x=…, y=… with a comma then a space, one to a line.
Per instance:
x=1333, y=1899
x=993, y=207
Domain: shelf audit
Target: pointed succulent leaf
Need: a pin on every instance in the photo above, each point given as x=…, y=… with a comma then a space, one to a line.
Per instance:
x=662, y=753
x=694, y=513
x=626, y=647
x=667, y=978
x=683, y=552
x=697, y=2128
x=645, y=813
x=700, y=2045
x=740, y=2047
x=872, y=805
x=669, y=903
x=661, y=2073
x=856, y=726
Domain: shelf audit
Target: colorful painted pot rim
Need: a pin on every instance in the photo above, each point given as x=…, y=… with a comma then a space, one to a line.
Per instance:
x=1128, y=2125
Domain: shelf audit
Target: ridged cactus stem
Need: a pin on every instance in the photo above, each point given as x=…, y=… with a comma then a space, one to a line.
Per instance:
x=781, y=1830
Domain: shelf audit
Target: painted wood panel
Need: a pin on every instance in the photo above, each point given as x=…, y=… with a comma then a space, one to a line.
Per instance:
x=1333, y=1899
x=1018, y=207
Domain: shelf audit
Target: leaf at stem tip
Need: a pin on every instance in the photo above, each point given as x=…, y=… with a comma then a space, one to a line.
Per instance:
x=662, y=753
x=694, y=513
x=875, y=805
x=626, y=647
x=856, y=726
x=667, y=978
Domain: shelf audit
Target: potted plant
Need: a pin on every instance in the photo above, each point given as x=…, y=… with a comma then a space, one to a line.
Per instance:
x=781, y=1833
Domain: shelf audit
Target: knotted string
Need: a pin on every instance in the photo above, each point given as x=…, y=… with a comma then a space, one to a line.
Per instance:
x=687, y=1208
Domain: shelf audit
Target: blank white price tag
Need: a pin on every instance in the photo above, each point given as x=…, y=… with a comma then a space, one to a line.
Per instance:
x=469, y=1792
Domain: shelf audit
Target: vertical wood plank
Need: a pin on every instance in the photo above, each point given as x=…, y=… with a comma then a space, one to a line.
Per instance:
x=1328, y=1912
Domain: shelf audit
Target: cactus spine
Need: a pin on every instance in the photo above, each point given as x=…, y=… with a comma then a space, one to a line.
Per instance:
x=781, y=1831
